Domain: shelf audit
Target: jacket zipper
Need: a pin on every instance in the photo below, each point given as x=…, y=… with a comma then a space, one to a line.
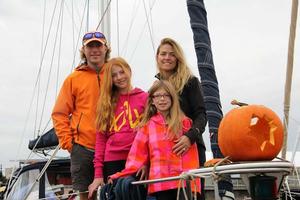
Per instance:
x=77, y=128
x=98, y=76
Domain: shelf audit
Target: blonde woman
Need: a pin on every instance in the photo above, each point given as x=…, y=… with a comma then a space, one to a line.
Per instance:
x=172, y=66
x=119, y=111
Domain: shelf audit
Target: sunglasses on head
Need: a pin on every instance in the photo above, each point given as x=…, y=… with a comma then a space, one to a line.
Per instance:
x=88, y=36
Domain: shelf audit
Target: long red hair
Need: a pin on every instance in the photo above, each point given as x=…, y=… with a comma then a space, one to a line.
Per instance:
x=109, y=94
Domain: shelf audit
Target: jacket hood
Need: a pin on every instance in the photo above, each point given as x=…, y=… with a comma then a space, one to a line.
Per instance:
x=158, y=118
x=134, y=91
x=84, y=67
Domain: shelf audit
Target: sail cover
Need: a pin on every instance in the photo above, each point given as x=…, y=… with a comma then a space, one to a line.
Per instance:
x=209, y=82
x=48, y=140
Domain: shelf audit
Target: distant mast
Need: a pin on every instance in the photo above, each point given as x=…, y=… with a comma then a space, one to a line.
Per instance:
x=289, y=74
x=88, y=15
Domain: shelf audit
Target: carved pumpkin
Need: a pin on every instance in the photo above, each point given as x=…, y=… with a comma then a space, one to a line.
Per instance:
x=251, y=132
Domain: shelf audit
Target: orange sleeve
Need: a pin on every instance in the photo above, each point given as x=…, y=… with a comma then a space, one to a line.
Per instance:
x=61, y=115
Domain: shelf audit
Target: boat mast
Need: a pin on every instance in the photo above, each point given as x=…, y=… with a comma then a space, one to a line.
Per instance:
x=289, y=74
x=87, y=15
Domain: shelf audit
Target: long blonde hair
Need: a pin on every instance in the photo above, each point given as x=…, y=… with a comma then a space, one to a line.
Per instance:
x=174, y=115
x=109, y=94
x=182, y=72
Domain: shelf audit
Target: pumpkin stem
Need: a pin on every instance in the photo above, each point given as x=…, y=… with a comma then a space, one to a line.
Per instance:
x=235, y=102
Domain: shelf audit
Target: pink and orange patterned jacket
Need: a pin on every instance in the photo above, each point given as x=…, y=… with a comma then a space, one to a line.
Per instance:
x=152, y=147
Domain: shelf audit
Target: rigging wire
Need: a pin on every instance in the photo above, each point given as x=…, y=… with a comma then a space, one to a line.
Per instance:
x=297, y=121
x=33, y=93
x=60, y=22
x=294, y=152
x=36, y=143
x=98, y=9
x=39, y=78
x=36, y=82
x=149, y=27
x=141, y=34
x=73, y=26
x=35, y=131
x=78, y=37
x=75, y=29
x=87, y=15
x=151, y=22
x=43, y=52
x=32, y=151
x=117, y=24
x=134, y=13
x=59, y=51
x=51, y=64
x=72, y=15
x=102, y=17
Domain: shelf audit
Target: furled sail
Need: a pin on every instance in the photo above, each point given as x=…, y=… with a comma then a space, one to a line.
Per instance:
x=209, y=82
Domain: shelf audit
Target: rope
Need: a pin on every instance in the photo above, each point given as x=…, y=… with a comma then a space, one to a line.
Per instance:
x=183, y=189
x=282, y=159
x=190, y=177
x=215, y=176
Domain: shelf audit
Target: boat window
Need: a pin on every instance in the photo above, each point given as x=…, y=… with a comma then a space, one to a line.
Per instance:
x=24, y=184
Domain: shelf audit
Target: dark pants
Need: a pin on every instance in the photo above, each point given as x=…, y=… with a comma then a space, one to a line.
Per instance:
x=112, y=167
x=82, y=167
x=202, y=160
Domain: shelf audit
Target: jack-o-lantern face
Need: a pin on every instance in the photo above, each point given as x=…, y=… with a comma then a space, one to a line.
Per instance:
x=250, y=133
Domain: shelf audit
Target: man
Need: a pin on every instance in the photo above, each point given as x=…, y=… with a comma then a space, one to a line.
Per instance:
x=75, y=109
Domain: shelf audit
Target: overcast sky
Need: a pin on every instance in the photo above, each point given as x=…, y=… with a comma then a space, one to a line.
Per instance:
x=249, y=43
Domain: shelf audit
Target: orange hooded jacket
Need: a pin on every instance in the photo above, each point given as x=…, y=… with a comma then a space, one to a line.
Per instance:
x=74, y=112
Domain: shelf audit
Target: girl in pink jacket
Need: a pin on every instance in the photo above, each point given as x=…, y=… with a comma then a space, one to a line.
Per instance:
x=161, y=127
x=119, y=111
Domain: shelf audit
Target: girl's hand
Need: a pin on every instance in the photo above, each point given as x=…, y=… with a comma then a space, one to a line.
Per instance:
x=94, y=186
x=143, y=172
x=182, y=145
x=110, y=181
